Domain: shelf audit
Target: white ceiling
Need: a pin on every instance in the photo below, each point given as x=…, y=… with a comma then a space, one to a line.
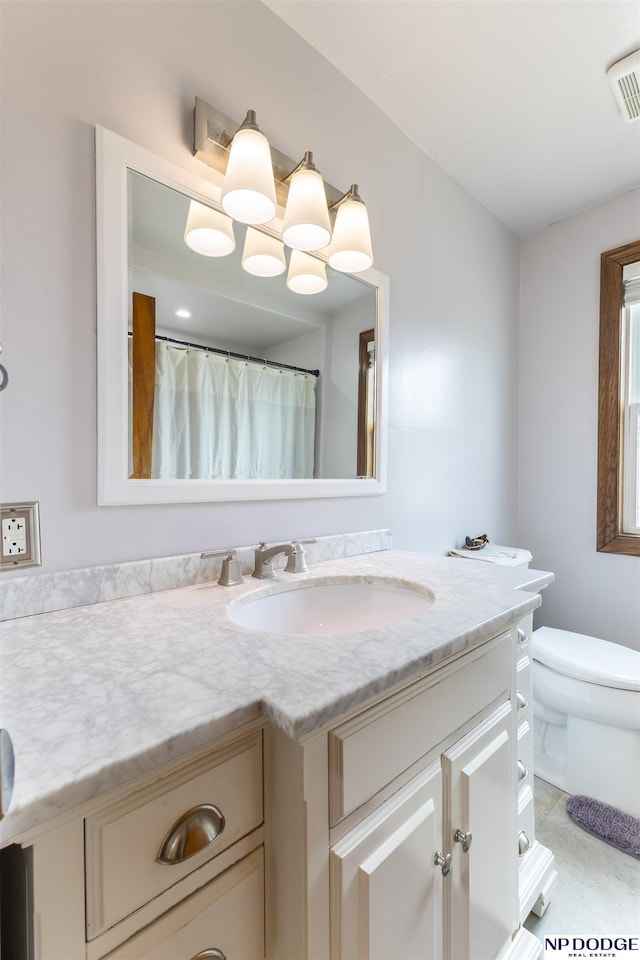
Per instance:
x=510, y=97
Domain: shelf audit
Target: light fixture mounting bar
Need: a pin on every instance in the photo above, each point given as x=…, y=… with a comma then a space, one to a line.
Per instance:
x=213, y=133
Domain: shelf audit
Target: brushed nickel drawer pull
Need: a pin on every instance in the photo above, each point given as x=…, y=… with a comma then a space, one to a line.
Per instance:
x=211, y=953
x=191, y=833
x=524, y=843
x=521, y=701
x=522, y=771
x=522, y=636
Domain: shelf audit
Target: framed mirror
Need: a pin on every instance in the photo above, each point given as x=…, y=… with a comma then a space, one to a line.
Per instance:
x=217, y=384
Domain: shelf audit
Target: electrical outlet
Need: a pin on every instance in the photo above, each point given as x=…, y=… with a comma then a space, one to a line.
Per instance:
x=20, y=535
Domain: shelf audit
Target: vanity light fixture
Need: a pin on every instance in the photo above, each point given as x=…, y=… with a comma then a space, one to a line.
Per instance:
x=306, y=220
x=252, y=170
x=208, y=231
x=307, y=274
x=350, y=250
x=262, y=255
x=249, y=192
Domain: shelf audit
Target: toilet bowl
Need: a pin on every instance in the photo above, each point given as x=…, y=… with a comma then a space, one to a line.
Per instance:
x=586, y=705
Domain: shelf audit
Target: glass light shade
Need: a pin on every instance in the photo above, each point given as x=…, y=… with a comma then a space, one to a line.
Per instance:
x=263, y=256
x=307, y=274
x=208, y=231
x=306, y=219
x=351, y=249
x=249, y=191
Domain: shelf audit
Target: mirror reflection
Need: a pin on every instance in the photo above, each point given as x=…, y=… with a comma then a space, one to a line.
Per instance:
x=237, y=376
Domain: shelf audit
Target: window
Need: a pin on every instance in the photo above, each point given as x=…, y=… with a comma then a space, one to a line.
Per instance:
x=618, y=528
x=631, y=400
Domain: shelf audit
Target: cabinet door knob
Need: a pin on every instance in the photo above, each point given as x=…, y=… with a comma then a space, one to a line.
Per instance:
x=443, y=861
x=211, y=953
x=191, y=833
x=463, y=838
x=521, y=702
x=522, y=636
x=522, y=771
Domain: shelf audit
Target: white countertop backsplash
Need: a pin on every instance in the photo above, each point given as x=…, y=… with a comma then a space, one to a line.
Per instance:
x=96, y=695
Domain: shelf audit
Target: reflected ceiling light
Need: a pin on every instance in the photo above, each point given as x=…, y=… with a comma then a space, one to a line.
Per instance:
x=350, y=250
x=182, y=313
x=306, y=220
x=263, y=256
x=307, y=274
x=249, y=192
x=208, y=231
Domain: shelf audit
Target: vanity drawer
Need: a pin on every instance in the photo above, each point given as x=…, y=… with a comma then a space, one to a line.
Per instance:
x=205, y=808
x=369, y=751
x=226, y=915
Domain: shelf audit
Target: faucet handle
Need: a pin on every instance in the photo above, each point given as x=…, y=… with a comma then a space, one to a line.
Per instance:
x=231, y=572
x=296, y=562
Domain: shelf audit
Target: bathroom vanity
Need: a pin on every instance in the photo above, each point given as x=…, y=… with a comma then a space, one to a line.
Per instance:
x=244, y=794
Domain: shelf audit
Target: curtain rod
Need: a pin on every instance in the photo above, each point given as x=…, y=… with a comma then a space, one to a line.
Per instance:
x=236, y=356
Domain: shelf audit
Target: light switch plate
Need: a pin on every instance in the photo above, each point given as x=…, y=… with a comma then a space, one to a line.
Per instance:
x=19, y=535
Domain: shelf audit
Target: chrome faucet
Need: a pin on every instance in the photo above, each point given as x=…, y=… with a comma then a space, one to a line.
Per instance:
x=265, y=556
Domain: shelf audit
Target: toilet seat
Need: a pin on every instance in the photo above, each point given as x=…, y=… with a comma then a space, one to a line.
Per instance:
x=587, y=658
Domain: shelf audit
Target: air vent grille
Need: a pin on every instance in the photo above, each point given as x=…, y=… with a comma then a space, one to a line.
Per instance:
x=624, y=77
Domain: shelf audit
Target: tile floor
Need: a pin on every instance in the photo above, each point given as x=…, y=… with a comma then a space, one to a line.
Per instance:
x=598, y=888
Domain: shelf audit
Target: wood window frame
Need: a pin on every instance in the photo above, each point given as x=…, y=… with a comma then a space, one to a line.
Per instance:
x=609, y=535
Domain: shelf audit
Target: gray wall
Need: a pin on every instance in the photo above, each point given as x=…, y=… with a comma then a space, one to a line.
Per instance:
x=136, y=69
x=594, y=593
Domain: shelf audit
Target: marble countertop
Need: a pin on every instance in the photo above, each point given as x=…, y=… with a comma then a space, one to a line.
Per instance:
x=96, y=695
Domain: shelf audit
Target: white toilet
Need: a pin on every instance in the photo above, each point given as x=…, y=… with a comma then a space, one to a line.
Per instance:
x=586, y=697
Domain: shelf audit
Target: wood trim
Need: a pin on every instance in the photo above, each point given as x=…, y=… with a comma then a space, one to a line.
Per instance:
x=609, y=536
x=363, y=366
x=143, y=375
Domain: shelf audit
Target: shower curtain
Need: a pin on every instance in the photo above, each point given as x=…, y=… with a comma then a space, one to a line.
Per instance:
x=218, y=417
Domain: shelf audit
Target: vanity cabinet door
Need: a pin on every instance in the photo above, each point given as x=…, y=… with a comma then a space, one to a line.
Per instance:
x=387, y=891
x=480, y=785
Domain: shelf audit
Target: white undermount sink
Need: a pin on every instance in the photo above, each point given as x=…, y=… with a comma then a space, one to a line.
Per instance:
x=343, y=606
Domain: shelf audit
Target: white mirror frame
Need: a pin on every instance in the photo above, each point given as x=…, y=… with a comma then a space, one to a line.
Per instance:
x=114, y=157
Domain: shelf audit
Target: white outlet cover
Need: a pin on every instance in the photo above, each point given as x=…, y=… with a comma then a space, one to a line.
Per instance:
x=20, y=544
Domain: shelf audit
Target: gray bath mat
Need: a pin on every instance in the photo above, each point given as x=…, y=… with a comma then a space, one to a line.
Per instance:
x=619, y=829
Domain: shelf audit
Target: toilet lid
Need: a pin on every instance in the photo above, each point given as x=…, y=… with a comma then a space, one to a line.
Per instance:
x=587, y=658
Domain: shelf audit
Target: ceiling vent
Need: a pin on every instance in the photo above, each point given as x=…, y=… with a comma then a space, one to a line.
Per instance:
x=624, y=77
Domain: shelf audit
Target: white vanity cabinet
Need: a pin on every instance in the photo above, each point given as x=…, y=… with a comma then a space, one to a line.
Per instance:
x=420, y=822
x=389, y=835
